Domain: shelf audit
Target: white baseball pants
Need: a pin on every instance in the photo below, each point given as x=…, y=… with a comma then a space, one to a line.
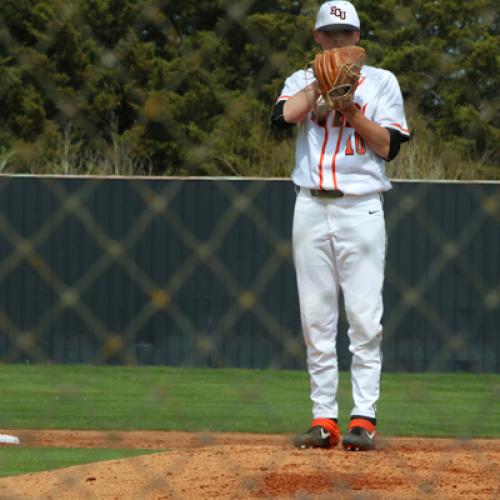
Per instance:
x=340, y=244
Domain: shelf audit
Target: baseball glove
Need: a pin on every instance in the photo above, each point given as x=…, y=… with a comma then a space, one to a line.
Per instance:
x=337, y=72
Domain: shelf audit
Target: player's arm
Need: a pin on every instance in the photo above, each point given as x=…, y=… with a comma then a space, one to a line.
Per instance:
x=301, y=104
x=293, y=110
x=385, y=133
x=375, y=136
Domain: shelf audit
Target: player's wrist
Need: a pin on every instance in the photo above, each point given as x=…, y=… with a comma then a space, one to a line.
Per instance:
x=350, y=111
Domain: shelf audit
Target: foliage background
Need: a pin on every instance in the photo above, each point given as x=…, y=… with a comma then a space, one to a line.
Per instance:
x=186, y=88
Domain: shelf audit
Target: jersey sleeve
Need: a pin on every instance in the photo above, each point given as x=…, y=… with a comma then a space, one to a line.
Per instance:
x=294, y=84
x=390, y=108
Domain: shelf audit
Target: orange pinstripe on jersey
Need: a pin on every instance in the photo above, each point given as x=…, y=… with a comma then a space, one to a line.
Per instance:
x=337, y=148
x=323, y=148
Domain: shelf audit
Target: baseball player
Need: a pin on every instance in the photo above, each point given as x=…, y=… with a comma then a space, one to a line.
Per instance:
x=339, y=239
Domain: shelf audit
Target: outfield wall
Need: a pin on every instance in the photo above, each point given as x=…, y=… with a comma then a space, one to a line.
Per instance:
x=199, y=272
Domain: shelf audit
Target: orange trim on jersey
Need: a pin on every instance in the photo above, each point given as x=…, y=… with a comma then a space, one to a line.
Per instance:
x=364, y=424
x=322, y=156
x=361, y=80
x=397, y=125
x=337, y=148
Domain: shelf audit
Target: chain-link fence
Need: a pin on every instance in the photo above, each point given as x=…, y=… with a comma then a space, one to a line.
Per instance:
x=197, y=272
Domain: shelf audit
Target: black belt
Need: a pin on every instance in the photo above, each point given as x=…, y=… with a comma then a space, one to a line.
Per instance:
x=325, y=193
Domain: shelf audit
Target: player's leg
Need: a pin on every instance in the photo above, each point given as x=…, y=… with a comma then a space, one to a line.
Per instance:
x=318, y=296
x=360, y=243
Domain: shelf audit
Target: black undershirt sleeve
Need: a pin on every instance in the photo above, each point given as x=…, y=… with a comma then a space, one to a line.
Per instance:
x=277, y=118
x=396, y=139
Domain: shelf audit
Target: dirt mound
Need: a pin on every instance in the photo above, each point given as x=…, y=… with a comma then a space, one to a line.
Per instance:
x=233, y=465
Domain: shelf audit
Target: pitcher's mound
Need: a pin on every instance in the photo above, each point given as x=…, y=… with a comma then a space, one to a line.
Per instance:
x=232, y=465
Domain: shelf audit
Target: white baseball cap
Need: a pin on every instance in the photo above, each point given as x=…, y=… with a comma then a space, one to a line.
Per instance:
x=337, y=16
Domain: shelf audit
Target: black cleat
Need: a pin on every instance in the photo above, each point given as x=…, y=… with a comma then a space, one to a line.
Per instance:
x=359, y=439
x=318, y=437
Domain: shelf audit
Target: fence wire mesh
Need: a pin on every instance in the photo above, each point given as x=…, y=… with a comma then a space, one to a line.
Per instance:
x=198, y=273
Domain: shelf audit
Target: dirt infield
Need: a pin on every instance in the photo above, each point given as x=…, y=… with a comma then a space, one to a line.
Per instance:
x=232, y=465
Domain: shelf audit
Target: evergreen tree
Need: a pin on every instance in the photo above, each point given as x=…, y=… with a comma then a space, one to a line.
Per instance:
x=188, y=87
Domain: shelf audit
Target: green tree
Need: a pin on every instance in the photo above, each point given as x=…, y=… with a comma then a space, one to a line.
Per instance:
x=445, y=54
x=188, y=87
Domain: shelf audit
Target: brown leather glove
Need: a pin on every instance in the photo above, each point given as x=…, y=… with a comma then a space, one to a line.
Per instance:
x=337, y=73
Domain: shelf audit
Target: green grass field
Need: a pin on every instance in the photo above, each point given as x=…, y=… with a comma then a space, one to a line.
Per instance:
x=264, y=401
x=22, y=460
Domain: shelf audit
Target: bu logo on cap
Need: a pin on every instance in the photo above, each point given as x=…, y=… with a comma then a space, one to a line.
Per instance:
x=337, y=12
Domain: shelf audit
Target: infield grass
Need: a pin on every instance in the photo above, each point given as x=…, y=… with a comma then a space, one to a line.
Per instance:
x=16, y=460
x=263, y=401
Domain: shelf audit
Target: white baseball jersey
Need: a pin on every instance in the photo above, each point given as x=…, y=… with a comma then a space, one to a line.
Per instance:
x=334, y=156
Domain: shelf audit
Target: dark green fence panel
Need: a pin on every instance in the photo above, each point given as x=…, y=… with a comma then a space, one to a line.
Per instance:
x=443, y=277
x=199, y=272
